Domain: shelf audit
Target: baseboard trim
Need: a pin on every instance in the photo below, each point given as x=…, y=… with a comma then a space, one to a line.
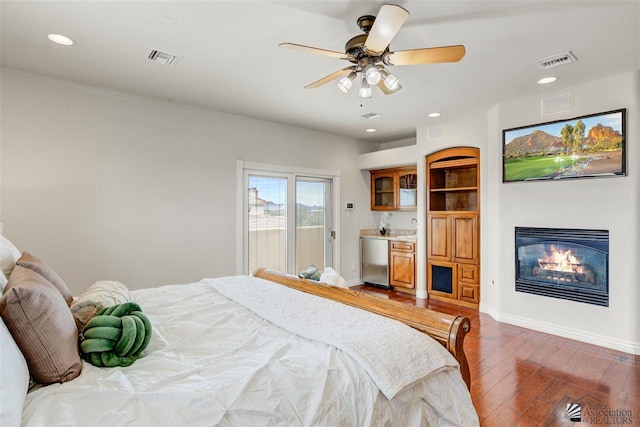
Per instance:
x=600, y=340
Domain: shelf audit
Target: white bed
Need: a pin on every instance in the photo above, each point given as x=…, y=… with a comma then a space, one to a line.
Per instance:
x=213, y=361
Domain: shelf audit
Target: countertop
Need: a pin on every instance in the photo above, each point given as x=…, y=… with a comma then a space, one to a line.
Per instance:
x=391, y=234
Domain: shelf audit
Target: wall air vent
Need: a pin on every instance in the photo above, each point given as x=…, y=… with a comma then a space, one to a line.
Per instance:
x=556, y=60
x=163, y=57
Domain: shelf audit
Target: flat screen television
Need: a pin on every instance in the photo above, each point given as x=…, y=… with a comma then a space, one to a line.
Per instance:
x=581, y=147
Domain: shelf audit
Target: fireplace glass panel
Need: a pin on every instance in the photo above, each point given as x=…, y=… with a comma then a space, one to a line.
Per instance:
x=571, y=264
x=563, y=264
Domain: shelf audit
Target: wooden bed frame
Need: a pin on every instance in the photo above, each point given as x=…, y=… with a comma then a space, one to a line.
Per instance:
x=444, y=328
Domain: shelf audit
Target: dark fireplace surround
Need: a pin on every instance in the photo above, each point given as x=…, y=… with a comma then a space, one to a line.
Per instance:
x=571, y=264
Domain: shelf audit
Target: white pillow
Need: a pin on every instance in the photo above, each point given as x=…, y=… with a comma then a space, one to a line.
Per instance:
x=3, y=282
x=332, y=277
x=14, y=379
x=9, y=254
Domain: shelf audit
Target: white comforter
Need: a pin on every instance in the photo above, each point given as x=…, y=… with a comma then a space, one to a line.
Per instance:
x=212, y=361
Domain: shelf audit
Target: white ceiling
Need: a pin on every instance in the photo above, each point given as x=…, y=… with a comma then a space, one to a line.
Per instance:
x=231, y=60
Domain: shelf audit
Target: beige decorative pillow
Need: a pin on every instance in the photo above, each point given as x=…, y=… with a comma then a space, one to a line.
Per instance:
x=42, y=325
x=29, y=261
x=99, y=295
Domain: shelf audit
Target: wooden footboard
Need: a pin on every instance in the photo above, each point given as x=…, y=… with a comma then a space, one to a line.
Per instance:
x=444, y=328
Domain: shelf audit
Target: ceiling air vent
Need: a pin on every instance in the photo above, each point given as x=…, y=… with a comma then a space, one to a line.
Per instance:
x=556, y=60
x=371, y=115
x=163, y=57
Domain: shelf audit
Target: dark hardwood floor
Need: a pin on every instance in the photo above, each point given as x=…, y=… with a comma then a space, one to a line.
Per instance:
x=521, y=377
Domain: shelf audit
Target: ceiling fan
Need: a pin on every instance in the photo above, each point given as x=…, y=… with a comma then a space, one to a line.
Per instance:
x=369, y=52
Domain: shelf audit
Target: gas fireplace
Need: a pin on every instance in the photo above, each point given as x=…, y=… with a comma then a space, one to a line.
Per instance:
x=571, y=264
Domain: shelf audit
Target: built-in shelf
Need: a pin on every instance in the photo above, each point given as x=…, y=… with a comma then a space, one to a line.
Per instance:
x=437, y=190
x=453, y=210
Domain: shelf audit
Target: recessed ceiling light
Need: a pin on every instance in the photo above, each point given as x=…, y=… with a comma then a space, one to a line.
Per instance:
x=432, y=115
x=370, y=130
x=60, y=39
x=547, y=80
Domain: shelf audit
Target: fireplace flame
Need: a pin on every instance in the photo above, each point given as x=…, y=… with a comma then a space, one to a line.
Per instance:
x=559, y=260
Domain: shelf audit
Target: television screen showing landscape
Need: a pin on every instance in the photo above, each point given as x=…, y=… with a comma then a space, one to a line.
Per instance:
x=586, y=146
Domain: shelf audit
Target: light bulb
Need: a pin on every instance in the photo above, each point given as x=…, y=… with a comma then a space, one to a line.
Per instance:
x=396, y=87
x=346, y=82
x=373, y=75
x=391, y=82
x=365, y=91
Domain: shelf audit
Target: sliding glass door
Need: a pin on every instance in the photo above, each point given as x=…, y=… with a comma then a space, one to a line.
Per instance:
x=288, y=224
x=313, y=214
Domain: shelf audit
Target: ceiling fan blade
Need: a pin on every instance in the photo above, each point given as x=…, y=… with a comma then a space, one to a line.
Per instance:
x=315, y=50
x=389, y=20
x=430, y=55
x=328, y=78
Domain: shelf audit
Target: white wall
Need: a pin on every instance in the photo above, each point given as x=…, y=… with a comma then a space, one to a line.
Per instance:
x=106, y=185
x=603, y=203
x=391, y=154
x=388, y=158
x=399, y=143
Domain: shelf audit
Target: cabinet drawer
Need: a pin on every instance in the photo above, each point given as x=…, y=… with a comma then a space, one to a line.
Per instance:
x=469, y=293
x=402, y=246
x=468, y=273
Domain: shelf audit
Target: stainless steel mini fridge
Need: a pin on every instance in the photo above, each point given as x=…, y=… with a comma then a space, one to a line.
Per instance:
x=374, y=261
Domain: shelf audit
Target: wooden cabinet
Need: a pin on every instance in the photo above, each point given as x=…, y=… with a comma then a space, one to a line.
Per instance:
x=465, y=245
x=394, y=189
x=402, y=258
x=383, y=190
x=407, y=188
x=439, y=241
x=453, y=228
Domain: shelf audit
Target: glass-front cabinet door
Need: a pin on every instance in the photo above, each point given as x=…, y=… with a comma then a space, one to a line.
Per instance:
x=407, y=189
x=394, y=189
x=383, y=194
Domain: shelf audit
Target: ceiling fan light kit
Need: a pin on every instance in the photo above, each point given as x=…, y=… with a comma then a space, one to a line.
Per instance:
x=372, y=73
x=391, y=82
x=370, y=53
x=346, y=82
x=365, y=90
